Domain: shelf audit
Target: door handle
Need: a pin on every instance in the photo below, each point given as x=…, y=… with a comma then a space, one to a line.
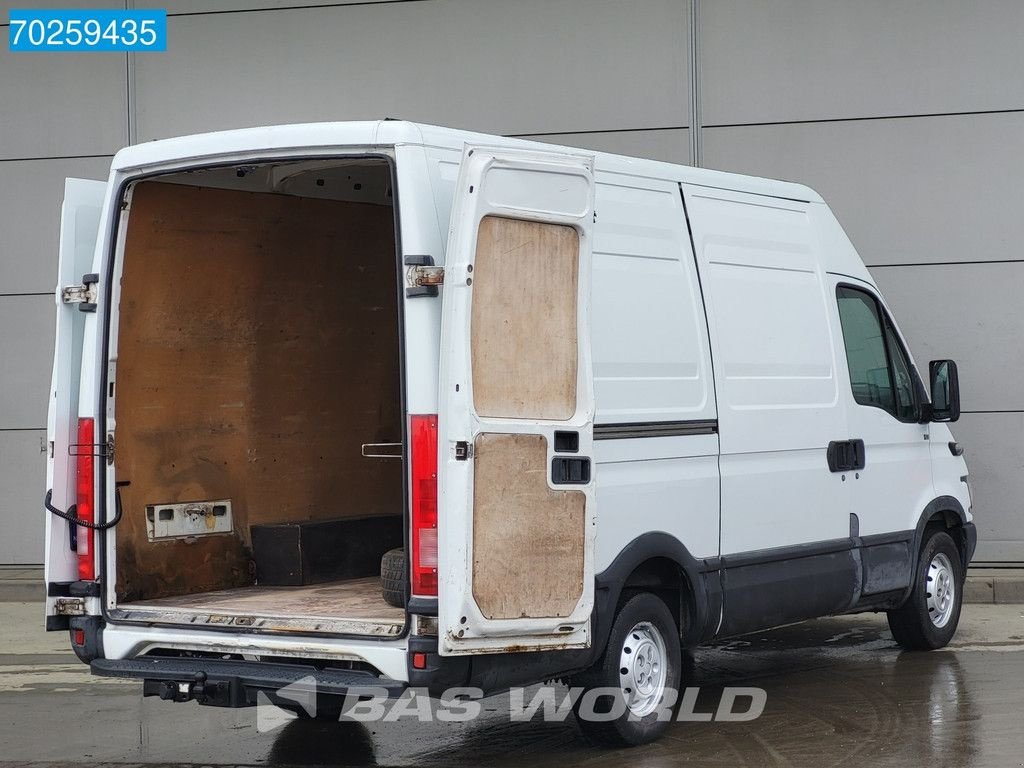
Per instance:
x=382, y=450
x=570, y=471
x=845, y=455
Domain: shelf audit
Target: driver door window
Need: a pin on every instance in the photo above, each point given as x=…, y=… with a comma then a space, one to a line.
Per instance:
x=880, y=371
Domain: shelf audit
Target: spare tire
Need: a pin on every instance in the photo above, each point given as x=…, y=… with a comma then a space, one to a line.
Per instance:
x=394, y=578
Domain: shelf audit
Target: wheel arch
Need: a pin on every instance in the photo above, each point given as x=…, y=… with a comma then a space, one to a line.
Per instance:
x=948, y=514
x=656, y=562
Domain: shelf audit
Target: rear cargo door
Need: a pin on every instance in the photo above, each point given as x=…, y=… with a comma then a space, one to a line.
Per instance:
x=516, y=471
x=79, y=226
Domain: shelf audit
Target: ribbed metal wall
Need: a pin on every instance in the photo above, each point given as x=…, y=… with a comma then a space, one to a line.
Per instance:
x=906, y=115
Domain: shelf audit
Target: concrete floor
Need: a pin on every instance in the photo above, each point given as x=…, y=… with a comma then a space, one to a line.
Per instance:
x=839, y=692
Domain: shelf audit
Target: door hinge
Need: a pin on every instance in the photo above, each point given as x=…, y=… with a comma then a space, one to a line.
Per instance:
x=422, y=278
x=83, y=295
x=102, y=450
x=69, y=606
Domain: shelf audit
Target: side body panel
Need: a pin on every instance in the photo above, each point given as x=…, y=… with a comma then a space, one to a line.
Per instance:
x=652, y=369
x=775, y=369
x=786, y=552
x=949, y=472
x=652, y=361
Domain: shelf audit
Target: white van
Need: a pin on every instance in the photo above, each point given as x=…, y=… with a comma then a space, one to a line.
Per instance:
x=591, y=411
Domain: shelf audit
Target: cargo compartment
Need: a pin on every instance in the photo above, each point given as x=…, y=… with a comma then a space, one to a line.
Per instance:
x=257, y=398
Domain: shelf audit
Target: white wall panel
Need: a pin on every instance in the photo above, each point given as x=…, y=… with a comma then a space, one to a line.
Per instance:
x=30, y=198
x=995, y=457
x=22, y=478
x=528, y=66
x=789, y=60
x=907, y=191
x=26, y=356
x=970, y=313
x=671, y=145
x=61, y=105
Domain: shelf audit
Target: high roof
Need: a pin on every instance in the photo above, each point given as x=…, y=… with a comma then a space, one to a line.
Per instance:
x=281, y=139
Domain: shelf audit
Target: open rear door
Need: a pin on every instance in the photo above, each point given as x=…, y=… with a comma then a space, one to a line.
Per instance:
x=79, y=226
x=516, y=471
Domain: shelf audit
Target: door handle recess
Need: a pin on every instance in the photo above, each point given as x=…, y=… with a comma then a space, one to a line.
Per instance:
x=570, y=470
x=845, y=455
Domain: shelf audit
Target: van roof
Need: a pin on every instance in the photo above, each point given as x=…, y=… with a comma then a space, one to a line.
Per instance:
x=386, y=133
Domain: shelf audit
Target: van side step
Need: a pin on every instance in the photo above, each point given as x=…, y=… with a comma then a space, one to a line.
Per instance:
x=227, y=683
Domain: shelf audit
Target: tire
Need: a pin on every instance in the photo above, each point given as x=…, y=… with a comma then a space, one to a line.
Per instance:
x=929, y=617
x=394, y=578
x=642, y=625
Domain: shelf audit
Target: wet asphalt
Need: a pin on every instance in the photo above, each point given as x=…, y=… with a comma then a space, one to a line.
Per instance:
x=839, y=692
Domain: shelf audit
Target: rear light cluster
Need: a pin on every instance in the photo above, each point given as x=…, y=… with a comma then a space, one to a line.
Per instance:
x=85, y=502
x=423, y=432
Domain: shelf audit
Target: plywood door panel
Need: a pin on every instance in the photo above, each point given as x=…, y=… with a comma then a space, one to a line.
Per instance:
x=528, y=540
x=523, y=332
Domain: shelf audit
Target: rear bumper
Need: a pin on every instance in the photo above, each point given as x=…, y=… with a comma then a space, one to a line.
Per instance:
x=227, y=683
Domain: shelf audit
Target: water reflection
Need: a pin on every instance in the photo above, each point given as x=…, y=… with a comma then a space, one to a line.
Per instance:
x=832, y=699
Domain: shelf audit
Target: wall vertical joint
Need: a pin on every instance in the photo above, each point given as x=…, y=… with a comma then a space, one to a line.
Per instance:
x=695, y=118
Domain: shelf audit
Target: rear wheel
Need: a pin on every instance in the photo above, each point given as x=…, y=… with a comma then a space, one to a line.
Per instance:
x=640, y=665
x=929, y=617
x=394, y=578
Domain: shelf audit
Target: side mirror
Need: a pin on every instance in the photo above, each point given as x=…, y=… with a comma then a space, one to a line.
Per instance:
x=945, y=389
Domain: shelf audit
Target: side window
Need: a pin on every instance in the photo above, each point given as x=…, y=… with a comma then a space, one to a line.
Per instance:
x=880, y=371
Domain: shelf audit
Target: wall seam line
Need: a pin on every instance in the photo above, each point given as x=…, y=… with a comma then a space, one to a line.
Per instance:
x=695, y=107
x=867, y=118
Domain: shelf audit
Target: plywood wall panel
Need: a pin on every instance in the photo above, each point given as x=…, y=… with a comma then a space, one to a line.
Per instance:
x=258, y=351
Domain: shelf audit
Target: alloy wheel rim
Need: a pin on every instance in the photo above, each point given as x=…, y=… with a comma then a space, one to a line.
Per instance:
x=940, y=590
x=643, y=669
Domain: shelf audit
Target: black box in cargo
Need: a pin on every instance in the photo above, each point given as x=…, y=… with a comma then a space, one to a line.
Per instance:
x=296, y=554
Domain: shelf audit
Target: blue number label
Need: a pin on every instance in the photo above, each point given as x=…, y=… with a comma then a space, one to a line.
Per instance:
x=95, y=30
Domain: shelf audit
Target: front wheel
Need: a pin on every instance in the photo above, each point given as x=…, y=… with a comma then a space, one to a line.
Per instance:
x=929, y=617
x=639, y=674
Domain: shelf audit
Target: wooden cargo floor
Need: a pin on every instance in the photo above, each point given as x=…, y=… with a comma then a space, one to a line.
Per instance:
x=352, y=606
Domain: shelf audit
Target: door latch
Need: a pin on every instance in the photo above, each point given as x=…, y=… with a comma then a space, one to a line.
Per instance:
x=84, y=295
x=422, y=278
